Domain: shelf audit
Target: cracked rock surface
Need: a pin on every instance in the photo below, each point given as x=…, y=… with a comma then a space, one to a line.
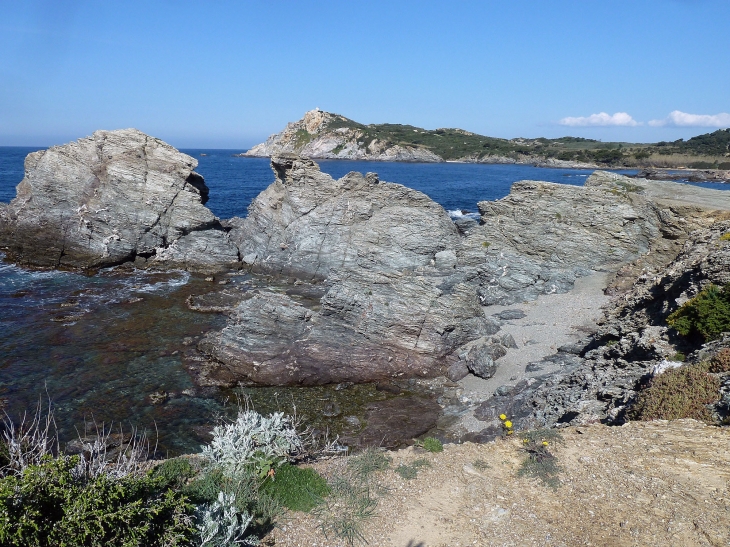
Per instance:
x=110, y=198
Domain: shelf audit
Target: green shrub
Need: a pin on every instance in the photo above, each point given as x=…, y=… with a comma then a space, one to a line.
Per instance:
x=296, y=488
x=242, y=491
x=344, y=512
x=702, y=165
x=432, y=444
x=706, y=315
x=480, y=464
x=174, y=473
x=253, y=440
x=541, y=464
x=353, y=497
x=683, y=392
x=368, y=462
x=49, y=505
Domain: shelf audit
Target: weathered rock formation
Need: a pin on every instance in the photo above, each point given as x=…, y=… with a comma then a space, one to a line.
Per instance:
x=306, y=224
x=110, y=198
x=393, y=306
x=633, y=339
x=691, y=175
x=543, y=235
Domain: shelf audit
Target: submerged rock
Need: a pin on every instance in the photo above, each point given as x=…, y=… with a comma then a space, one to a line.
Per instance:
x=111, y=198
x=392, y=421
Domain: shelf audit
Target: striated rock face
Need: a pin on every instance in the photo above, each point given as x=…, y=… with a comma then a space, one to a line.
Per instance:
x=633, y=339
x=590, y=226
x=322, y=135
x=306, y=224
x=542, y=236
x=110, y=198
x=394, y=303
x=370, y=327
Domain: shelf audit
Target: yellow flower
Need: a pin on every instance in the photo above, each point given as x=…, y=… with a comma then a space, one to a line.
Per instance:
x=503, y=417
x=510, y=432
x=544, y=443
x=508, y=424
x=525, y=441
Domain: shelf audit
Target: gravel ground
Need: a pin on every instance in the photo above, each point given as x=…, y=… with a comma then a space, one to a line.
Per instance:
x=550, y=322
x=643, y=484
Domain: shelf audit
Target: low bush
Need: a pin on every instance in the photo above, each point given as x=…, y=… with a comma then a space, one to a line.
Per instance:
x=253, y=440
x=368, y=462
x=706, y=315
x=353, y=497
x=683, y=392
x=175, y=472
x=431, y=444
x=296, y=488
x=409, y=472
x=48, y=504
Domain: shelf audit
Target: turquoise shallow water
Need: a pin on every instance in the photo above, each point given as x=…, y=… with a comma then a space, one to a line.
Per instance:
x=99, y=346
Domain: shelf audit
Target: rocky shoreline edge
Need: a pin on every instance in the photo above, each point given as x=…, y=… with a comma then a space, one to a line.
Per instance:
x=382, y=286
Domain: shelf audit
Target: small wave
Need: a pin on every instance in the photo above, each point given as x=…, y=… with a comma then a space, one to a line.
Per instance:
x=458, y=213
x=166, y=285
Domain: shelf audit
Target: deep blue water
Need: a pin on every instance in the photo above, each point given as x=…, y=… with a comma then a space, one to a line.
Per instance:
x=235, y=181
x=99, y=346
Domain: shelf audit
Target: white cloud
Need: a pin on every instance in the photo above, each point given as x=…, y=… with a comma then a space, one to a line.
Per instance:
x=601, y=120
x=682, y=119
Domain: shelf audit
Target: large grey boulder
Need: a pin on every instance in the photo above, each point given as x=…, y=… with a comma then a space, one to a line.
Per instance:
x=368, y=326
x=113, y=197
x=562, y=225
x=306, y=224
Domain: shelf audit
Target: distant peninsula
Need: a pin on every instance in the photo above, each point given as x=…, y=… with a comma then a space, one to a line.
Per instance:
x=323, y=135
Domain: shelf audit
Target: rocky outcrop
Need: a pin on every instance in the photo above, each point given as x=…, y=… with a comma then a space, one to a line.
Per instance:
x=306, y=224
x=633, y=339
x=394, y=304
x=321, y=135
x=691, y=175
x=114, y=197
x=369, y=327
x=543, y=235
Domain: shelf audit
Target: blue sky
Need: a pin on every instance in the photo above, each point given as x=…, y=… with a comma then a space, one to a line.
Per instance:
x=227, y=74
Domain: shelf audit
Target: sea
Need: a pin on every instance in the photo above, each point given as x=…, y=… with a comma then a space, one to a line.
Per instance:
x=98, y=347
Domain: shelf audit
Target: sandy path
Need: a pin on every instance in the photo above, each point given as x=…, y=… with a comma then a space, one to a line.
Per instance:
x=642, y=484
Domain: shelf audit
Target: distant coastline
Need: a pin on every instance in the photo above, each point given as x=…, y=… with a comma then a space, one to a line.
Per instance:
x=324, y=135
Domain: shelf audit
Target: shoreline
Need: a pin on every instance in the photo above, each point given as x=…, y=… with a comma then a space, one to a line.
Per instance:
x=543, y=164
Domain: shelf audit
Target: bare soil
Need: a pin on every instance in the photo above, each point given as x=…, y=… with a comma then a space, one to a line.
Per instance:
x=643, y=484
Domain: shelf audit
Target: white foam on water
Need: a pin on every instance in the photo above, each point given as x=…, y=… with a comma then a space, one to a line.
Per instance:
x=460, y=214
x=167, y=285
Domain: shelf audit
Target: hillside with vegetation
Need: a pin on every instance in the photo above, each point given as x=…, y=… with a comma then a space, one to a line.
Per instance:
x=324, y=135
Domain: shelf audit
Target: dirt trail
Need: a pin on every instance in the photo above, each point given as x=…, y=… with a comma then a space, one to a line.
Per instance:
x=642, y=484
